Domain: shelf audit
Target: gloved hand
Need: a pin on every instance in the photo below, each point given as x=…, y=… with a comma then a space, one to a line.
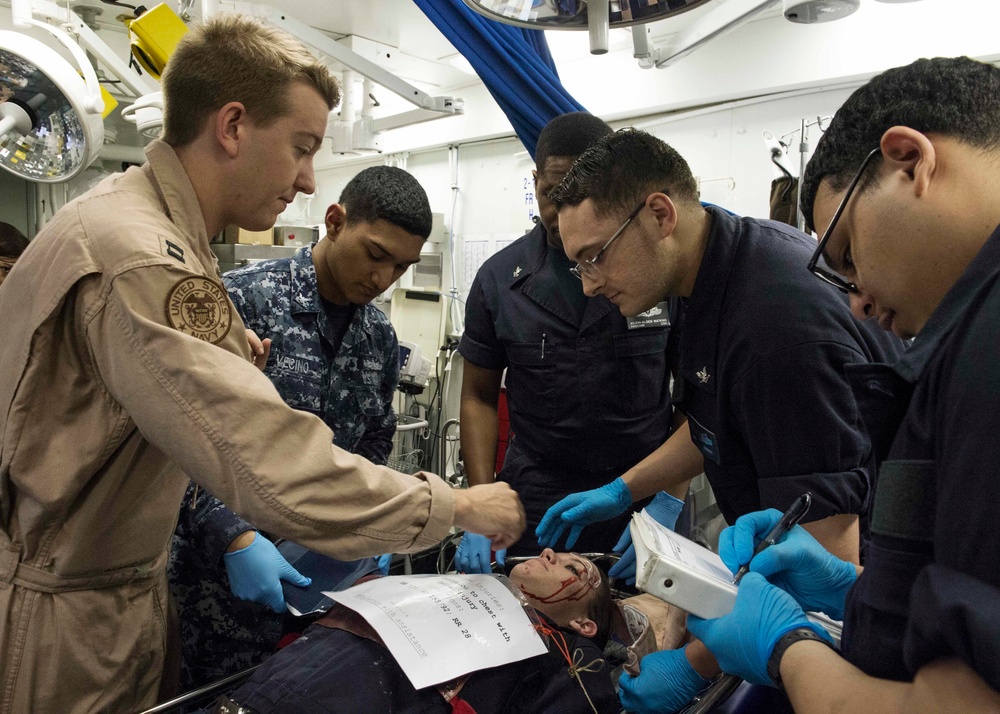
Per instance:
x=582, y=509
x=664, y=509
x=743, y=640
x=384, y=561
x=256, y=572
x=666, y=683
x=797, y=564
x=473, y=554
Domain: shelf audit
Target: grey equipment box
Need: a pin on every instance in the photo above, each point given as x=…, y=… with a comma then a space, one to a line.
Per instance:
x=236, y=255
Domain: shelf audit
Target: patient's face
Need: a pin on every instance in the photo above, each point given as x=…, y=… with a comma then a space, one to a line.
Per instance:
x=559, y=584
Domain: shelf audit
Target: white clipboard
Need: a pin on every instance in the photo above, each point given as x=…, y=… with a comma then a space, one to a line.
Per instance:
x=688, y=575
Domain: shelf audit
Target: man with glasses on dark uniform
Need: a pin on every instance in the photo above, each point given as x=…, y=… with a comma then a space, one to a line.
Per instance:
x=587, y=389
x=762, y=355
x=904, y=186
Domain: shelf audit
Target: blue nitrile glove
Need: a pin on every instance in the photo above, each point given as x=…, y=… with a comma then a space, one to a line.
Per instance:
x=384, y=561
x=473, y=554
x=743, y=640
x=666, y=683
x=797, y=564
x=663, y=509
x=582, y=509
x=256, y=572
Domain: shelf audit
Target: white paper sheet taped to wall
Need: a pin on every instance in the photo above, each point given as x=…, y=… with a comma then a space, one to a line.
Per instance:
x=685, y=574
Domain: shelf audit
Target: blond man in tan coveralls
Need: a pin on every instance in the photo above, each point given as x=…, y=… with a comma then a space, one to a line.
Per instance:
x=125, y=368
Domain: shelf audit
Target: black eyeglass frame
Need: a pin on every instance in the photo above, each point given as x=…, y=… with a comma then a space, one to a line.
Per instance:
x=580, y=269
x=820, y=272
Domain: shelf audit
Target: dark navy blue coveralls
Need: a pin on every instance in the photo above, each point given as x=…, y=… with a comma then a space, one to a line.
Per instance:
x=334, y=671
x=763, y=347
x=931, y=584
x=587, y=389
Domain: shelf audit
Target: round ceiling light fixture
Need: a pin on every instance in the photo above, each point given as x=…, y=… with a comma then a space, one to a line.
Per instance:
x=50, y=127
x=596, y=16
x=807, y=12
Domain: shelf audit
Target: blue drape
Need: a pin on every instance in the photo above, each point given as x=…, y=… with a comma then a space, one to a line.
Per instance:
x=514, y=63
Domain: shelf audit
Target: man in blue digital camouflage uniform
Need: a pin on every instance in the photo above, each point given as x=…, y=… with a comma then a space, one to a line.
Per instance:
x=327, y=351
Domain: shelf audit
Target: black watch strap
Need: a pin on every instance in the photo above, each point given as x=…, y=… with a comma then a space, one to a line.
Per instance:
x=786, y=641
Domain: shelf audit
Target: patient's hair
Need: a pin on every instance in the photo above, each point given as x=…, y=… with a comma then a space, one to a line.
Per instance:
x=600, y=609
x=12, y=242
x=568, y=135
x=232, y=58
x=387, y=193
x=956, y=97
x=622, y=169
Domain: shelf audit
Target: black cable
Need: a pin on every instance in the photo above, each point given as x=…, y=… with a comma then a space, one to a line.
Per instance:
x=116, y=3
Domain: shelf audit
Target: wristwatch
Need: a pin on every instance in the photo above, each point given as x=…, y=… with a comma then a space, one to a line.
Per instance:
x=787, y=640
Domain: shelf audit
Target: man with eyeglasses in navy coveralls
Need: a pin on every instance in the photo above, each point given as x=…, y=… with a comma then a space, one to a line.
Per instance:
x=762, y=352
x=587, y=389
x=904, y=186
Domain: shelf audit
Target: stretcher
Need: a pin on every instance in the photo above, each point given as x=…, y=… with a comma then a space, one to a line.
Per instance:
x=725, y=696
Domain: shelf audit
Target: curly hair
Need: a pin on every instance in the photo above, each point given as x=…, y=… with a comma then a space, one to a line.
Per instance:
x=954, y=96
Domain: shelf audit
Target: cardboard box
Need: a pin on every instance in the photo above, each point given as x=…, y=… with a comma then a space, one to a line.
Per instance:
x=235, y=234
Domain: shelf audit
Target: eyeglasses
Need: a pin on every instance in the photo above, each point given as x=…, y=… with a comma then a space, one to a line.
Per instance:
x=588, y=268
x=820, y=271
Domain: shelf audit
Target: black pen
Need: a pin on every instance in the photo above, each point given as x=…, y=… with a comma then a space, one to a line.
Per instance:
x=791, y=517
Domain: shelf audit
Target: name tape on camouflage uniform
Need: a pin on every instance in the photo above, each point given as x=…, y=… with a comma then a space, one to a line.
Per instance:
x=200, y=308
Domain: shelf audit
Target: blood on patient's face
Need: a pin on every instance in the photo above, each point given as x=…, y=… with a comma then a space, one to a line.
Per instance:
x=559, y=584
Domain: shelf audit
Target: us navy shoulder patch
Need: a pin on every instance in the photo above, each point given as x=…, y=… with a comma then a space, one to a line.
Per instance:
x=199, y=308
x=171, y=249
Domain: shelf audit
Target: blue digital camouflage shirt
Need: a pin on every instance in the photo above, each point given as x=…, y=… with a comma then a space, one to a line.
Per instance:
x=351, y=390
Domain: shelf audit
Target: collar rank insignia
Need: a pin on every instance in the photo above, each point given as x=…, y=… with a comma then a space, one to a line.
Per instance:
x=517, y=271
x=703, y=375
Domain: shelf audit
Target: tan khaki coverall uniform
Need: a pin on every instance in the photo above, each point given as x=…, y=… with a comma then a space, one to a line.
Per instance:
x=123, y=367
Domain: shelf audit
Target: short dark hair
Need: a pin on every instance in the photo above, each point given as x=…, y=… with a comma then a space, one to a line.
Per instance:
x=955, y=96
x=12, y=241
x=600, y=610
x=569, y=135
x=388, y=193
x=621, y=169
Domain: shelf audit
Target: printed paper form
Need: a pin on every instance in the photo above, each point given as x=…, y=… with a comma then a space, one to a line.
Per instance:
x=688, y=552
x=439, y=627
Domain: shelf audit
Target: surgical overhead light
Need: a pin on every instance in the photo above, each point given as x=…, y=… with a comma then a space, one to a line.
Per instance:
x=147, y=114
x=596, y=16
x=809, y=11
x=51, y=126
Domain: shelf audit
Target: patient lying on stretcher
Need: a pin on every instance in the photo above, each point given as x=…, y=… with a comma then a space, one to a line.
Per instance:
x=337, y=666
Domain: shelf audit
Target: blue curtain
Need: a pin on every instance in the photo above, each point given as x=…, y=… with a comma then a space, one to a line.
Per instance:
x=514, y=63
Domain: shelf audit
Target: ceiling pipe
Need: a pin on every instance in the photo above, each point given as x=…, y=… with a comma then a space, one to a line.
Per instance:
x=717, y=22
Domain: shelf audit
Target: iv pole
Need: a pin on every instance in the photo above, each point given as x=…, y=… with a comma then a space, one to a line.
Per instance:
x=803, y=131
